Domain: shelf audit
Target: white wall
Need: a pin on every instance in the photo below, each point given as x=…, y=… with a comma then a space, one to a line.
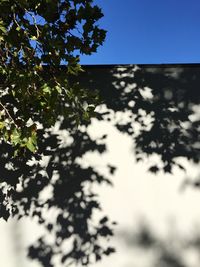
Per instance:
x=135, y=193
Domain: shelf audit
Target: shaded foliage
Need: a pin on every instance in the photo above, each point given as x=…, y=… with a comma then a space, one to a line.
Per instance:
x=34, y=34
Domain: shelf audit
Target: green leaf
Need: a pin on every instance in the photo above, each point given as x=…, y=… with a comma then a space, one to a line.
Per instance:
x=31, y=144
x=2, y=125
x=46, y=88
x=2, y=27
x=15, y=137
x=33, y=38
x=58, y=89
x=86, y=116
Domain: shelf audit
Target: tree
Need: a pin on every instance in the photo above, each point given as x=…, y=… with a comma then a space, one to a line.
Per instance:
x=35, y=34
x=36, y=38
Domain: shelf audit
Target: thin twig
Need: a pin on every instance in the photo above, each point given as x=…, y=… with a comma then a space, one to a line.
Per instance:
x=7, y=112
x=34, y=22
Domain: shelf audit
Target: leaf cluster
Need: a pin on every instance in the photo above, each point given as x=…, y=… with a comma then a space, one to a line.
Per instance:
x=36, y=38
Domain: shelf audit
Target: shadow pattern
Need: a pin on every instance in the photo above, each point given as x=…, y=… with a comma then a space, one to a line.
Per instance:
x=161, y=106
x=172, y=250
x=66, y=209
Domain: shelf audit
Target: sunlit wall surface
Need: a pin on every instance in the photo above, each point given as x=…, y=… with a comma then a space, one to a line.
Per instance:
x=157, y=213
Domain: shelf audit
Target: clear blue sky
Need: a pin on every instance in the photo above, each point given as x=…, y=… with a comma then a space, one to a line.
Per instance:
x=149, y=31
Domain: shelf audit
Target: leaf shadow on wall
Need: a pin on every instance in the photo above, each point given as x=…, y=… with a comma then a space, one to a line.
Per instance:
x=162, y=102
x=174, y=249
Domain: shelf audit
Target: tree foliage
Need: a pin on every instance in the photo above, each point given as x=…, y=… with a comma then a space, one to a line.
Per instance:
x=34, y=34
x=36, y=38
